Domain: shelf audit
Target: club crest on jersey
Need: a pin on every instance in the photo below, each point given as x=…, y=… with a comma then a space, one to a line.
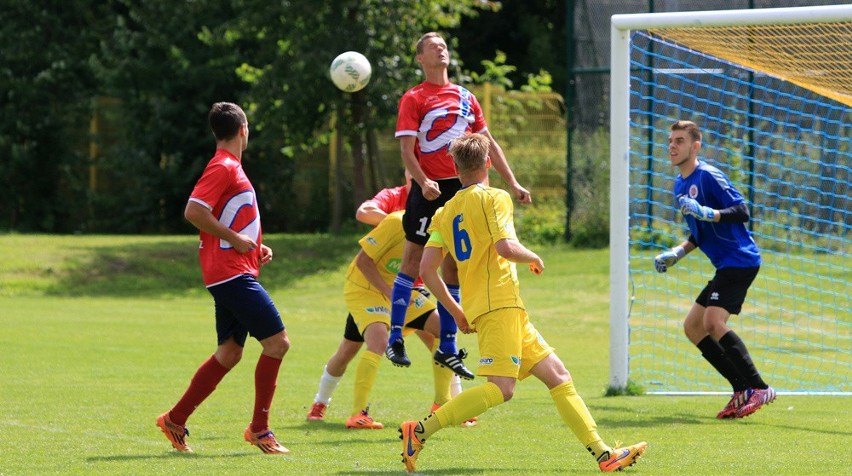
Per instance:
x=693, y=191
x=516, y=360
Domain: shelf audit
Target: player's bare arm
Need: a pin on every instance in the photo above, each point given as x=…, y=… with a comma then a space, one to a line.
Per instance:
x=501, y=164
x=203, y=219
x=371, y=272
x=516, y=252
x=370, y=213
x=429, y=264
x=430, y=188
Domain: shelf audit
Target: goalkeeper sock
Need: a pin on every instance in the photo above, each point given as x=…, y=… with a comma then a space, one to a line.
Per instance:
x=400, y=295
x=448, y=324
x=736, y=351
x=715, y=354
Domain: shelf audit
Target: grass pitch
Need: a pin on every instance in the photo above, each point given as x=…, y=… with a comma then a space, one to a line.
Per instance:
x=101, y=334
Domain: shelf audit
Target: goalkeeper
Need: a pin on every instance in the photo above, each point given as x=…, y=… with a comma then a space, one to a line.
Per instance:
x=716, y=215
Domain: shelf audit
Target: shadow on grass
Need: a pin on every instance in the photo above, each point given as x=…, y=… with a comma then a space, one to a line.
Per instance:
x=171, y=454
x=150, y=267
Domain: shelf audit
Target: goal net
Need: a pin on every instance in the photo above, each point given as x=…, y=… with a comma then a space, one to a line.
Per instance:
x=772, y=92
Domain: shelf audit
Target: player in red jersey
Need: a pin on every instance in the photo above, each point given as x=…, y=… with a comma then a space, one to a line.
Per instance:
x=431, y=115
x=223, y=206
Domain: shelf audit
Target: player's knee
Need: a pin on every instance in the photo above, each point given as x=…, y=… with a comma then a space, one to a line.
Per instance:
x=229, y=358
x=276, y=346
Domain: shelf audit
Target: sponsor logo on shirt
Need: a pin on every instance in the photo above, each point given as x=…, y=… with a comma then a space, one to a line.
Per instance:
x=486, y=361
x=378, y=310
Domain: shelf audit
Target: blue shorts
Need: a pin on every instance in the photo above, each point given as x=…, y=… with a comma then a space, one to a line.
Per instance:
x=243, y=307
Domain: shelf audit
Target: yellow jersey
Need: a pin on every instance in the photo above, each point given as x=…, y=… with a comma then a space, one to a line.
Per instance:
x=468, y=226
x=383, y=244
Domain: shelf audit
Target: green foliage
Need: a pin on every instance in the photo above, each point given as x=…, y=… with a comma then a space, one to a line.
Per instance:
x=542, y=223
x=632, y=389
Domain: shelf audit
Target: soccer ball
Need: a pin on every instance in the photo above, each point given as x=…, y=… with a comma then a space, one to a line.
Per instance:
x=350, y=71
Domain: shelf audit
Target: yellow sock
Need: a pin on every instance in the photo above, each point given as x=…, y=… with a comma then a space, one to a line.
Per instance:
x=464, y=406
x=575, y=414
x=365, y=377
x=443, y=376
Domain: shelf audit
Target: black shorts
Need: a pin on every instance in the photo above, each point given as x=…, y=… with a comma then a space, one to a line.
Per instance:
x=728, y=289
x=243, y=307
x=351, y=330
x=419, y=211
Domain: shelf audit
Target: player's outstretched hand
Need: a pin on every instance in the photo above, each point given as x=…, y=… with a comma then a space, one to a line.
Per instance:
x=667, y=259
x=689, y=206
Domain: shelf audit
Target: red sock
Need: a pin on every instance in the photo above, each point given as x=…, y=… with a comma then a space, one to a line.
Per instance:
x=201, y=386
x=265, y=381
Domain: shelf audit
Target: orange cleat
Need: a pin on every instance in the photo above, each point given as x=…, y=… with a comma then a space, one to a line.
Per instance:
x=265, y=441
x=175, y=433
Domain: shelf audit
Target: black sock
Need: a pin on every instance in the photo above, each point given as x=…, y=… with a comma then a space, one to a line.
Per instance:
x=715, y=354
x=737, y=353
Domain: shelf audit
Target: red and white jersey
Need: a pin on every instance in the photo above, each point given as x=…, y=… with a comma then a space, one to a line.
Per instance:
x=436, y=115
x=225, y=190
x=390, y=200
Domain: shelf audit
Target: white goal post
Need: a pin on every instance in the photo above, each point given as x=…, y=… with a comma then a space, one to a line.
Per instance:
x=621, y=294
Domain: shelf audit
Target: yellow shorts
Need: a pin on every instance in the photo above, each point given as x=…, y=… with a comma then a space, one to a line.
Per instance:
x=369, y=305
x=509, y=345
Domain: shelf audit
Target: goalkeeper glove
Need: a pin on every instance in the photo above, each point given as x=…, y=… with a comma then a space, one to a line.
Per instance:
x=668, y=258
x=689, y=206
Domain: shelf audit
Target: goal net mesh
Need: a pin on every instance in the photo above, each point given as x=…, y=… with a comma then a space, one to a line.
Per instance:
x=775, y=107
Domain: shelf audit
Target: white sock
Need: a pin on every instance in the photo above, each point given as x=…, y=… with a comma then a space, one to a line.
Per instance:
x=455, y=386
x=327, y=385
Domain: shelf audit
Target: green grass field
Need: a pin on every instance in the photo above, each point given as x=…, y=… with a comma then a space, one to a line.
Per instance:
x=100, y=334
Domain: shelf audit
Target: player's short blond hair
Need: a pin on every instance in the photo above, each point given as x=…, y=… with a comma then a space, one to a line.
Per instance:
x=470, y=152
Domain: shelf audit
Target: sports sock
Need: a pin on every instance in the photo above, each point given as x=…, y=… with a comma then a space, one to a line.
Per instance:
x=715, y=354
x=265, y=381
x=443, y=381
x=736, y=351
x=205, y=380
x=455, y=385
x=365, y=377
x=574, y=413
x=400, y=296
x=449, y=328
x=327, y=385
x=464, y=406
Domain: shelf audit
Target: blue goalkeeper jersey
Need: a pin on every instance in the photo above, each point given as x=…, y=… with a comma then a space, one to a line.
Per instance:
x=728, y=245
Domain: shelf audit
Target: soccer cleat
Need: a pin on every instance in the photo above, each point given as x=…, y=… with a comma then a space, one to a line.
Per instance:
x=758, y=398
x=396, y=353
x=454, y=363
x=363, y=421
x=265, y=441
x=317, y=411
x=620, y=458
x=467, y=423
x=411, y=445
x=175, y=433
x=738, y=399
